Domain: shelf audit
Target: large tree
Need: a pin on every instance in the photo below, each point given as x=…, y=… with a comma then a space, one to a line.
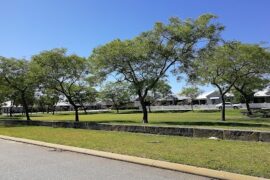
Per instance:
x=146, y=59
x=17, y=75
x=66, y=74
x=255, y=74
x=226, y=66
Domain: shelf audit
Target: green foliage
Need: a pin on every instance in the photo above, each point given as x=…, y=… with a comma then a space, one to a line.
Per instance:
x=5, y=93
x=232, y=64
x=47, y=99
x=66, y=74
x=255, y=74
x=119, y=93
x=144, y=60
x=17, y=76
x=191, y=92
x=84, y=95
x=161, y=89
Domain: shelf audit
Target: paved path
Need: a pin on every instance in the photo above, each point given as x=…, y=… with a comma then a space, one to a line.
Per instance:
x=23, y=161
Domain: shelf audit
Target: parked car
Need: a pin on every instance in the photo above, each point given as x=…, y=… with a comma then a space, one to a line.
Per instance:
x=229, y=105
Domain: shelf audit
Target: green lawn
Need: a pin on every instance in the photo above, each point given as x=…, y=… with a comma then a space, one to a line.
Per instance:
x=251, y=158
x=235, y=119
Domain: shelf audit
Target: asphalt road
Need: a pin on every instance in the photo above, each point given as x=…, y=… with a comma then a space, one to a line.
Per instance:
x=23, y=161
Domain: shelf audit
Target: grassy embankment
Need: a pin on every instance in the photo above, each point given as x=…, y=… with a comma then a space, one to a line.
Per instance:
x=251, y=158
x=235, y=120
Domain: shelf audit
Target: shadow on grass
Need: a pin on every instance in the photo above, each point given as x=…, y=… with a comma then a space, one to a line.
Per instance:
x=116, y=121
x=105, y=122
x=11, y=118
x=208, y=123
x=13, y=125
x=80, y=113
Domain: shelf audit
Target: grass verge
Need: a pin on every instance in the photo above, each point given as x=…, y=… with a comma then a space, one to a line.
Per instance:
x=250, y=158
x=235, y=120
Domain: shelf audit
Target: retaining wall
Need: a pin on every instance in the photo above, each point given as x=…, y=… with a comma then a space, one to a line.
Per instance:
x=243, y=135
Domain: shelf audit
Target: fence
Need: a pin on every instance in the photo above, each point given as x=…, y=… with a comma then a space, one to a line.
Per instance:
x=204, y=107
x=258, y=105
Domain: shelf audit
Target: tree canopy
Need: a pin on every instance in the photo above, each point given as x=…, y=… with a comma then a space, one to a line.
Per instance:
x=119, y=93
x=144, y=60
x=66, y=74
x=229, y=65
x=17, y=74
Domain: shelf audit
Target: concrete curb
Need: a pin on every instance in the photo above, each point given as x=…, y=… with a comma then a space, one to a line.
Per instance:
x=143, y=161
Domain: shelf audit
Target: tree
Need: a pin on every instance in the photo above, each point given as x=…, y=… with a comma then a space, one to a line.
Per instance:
x=192, y=93
x=6, y=94
x=256, y=62
x=17, y=75
x=146, y=59
x=118, y=93
x=66, y=74
x=215, y=68
x=224, y=67
x=247, y=88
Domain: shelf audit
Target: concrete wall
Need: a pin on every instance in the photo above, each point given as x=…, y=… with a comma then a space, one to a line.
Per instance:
x=176, y=131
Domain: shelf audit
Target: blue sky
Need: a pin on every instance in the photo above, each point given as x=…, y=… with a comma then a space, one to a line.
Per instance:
x=30, y=26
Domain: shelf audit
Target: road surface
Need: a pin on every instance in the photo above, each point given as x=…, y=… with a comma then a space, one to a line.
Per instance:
x=24, y=161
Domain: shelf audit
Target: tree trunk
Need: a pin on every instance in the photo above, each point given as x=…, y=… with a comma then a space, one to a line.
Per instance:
x=145, y=114
x=149, y=108
x=84, y=109
x=25, y=106
x=76, y=114
x=223, y=108
x=10, y=111
x=53, y=109
x=117, y=110
x=43, y=109
x=191, y=104
x=247, y=105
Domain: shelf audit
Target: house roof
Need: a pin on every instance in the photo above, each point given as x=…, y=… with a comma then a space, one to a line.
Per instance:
x=229, y=94
x=205, y=95
x=172, y=97
x=263, y=93
x=7, y=104
x=181, y=97
x=62, y=104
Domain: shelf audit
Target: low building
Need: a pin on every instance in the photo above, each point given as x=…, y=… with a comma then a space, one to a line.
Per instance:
x=211, y=97
x=262, y=96
x=172, y=99
x=8, y=106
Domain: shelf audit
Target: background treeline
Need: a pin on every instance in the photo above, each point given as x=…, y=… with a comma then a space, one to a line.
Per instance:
x=138, y=66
